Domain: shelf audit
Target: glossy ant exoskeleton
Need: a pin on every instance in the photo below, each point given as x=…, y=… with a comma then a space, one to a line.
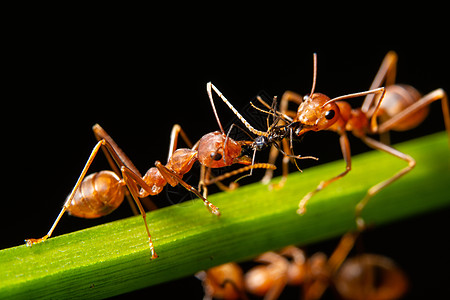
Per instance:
x=101, y=193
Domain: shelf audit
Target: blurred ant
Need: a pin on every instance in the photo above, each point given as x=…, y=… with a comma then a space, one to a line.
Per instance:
x=366, y=276
x=274, y=135
x=101, y=193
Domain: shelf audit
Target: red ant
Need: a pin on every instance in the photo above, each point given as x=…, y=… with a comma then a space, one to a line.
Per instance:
x=101, y=193
x=365, y=276
x=398, y=107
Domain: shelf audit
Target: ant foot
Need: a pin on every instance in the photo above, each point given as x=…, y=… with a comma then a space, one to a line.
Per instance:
x=31, y=242
x=154, y=255
x=301, y=211
x=360, y=224
x=275, y=186
x=233, y=186
x=266, y=179
x=302, y=205
x=212, y=208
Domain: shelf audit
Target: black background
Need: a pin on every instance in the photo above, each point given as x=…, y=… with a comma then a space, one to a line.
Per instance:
x=137, y=78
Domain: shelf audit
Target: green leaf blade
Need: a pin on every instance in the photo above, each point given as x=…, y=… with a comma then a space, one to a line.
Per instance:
x=114, y=258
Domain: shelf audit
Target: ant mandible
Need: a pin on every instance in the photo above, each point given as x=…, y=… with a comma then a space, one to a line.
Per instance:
x=101, y=193
x=399, y=107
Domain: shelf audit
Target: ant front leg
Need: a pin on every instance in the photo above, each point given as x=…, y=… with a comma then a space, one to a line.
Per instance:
x=345, y=147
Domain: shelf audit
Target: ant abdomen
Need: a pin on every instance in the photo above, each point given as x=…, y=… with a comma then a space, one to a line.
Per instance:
x=397, y=98
x=98, y=195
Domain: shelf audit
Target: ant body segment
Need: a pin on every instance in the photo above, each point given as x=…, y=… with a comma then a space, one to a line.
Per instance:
x=101, y=193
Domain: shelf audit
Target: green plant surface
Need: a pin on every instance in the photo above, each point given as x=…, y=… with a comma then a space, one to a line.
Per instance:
x=114, y=258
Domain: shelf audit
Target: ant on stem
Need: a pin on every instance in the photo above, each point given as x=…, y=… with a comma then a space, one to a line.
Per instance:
x=397, y=107
x=101, y=193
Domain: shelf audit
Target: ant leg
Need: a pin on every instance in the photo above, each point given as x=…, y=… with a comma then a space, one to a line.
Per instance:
x=287, y=156
x=217, y=179
x=287, y=97
x=424, y=101
x=345, y=148
x=316, y=289
x=66, y=205
x=116, y=159
x=119, y=157
x=272, y=158
x=386, y=74
x=176, y=131
x=376, y=188
x=341, y=252
x=133, y=180
x=173, y=179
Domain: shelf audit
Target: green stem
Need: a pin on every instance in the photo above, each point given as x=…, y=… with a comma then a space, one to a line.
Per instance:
x=114, y=258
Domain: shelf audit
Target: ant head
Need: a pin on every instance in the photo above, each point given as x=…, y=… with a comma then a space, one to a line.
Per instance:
x=316, y=113
x=215, y=150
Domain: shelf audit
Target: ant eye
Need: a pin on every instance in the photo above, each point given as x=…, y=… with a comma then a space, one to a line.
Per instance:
x=216, y=156
x=329, y=114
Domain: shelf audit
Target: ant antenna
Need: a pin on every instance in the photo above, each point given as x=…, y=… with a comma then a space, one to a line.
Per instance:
x=314, y=74
x=208, y=89
x=380, y=90
x=209, y=85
